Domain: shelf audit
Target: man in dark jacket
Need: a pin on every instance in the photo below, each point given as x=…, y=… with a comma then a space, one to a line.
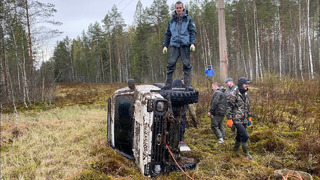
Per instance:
x=218, y=111
x=239, y=114
x=181, y=36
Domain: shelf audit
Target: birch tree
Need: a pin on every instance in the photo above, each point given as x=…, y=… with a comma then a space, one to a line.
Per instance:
x=309, y=40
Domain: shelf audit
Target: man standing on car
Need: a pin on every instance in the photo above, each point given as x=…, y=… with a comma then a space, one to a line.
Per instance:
x=181, y=36
x=239, y=114
x=218, y=111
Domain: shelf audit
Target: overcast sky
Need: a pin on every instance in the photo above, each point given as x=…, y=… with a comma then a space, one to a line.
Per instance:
x=76, y=15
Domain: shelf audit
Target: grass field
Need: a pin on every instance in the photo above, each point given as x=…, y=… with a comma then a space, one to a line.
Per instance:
x=68, y=141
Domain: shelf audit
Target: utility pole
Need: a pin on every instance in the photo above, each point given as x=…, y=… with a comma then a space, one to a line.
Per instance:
x=222, y=42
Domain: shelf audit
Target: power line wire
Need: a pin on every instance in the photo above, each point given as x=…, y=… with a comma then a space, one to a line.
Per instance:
x=120, y=2
x=127, y=5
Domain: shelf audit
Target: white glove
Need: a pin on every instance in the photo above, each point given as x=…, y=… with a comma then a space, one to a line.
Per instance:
x=165, y=50
x=192, y=48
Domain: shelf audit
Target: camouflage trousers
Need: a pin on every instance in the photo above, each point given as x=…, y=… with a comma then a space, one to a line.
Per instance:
x=191, y=116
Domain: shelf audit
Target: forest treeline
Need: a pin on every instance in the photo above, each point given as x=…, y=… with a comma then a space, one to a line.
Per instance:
x=279, y=37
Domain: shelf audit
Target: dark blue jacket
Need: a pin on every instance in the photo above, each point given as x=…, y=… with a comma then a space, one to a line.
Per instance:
x=180, y=32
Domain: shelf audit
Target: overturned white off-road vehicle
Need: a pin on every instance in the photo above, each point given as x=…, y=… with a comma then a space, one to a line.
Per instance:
x=143, y=125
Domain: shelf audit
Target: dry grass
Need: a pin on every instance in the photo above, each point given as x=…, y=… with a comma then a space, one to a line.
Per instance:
x=69, y=141
x=55, y=144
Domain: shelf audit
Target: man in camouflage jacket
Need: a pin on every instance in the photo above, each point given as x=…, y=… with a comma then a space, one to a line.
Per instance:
x=239, y=115
x=231, y=88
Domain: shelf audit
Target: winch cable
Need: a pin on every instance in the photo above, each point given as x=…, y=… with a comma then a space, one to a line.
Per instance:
x=177, y=162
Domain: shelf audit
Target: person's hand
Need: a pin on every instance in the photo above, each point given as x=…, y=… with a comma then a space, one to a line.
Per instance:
x=165, y=50
x=192, y=48
x=249, y=121
x=230, y=123
x=209, y=114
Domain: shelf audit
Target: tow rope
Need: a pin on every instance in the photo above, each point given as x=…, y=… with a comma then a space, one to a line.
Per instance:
x=177, y=163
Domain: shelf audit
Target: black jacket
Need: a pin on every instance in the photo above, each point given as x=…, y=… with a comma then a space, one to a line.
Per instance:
x=219, y=102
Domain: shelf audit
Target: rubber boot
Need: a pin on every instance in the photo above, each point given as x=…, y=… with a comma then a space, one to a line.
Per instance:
x=187, y=84
x=245, y=149
x=236, y=146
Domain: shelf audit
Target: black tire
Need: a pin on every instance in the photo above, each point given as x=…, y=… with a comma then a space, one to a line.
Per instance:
x=181, y=97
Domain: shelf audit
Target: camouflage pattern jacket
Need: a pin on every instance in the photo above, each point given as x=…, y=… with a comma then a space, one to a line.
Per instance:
x=238, y=106
x=233, y=88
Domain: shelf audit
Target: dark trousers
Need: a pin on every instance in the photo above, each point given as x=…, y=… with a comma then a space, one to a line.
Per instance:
x=184, y=54
x=217, y=126
x=242, y=135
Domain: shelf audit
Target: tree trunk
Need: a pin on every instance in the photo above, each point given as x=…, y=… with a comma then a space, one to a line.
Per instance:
x=269, y=50
x=283, y=37
x=256, y=38
x=101, y=64
x=42, y=92
x=17, y=59
x=300, y=41
x=10, y=88
x=260, y=49
x=30, y=41
x=3, y=85
x=73, y=78
x=249, y=49
x=18, y=75
x=208, y=47
x=309, y=40
x=280, y=46
x=238, y=57
x=110, y=58
x=25, y=82
x=119, y=62
x=197, y=59
x=295, y=60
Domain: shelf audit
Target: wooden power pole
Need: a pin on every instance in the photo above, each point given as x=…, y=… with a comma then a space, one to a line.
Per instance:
x=222, y=42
